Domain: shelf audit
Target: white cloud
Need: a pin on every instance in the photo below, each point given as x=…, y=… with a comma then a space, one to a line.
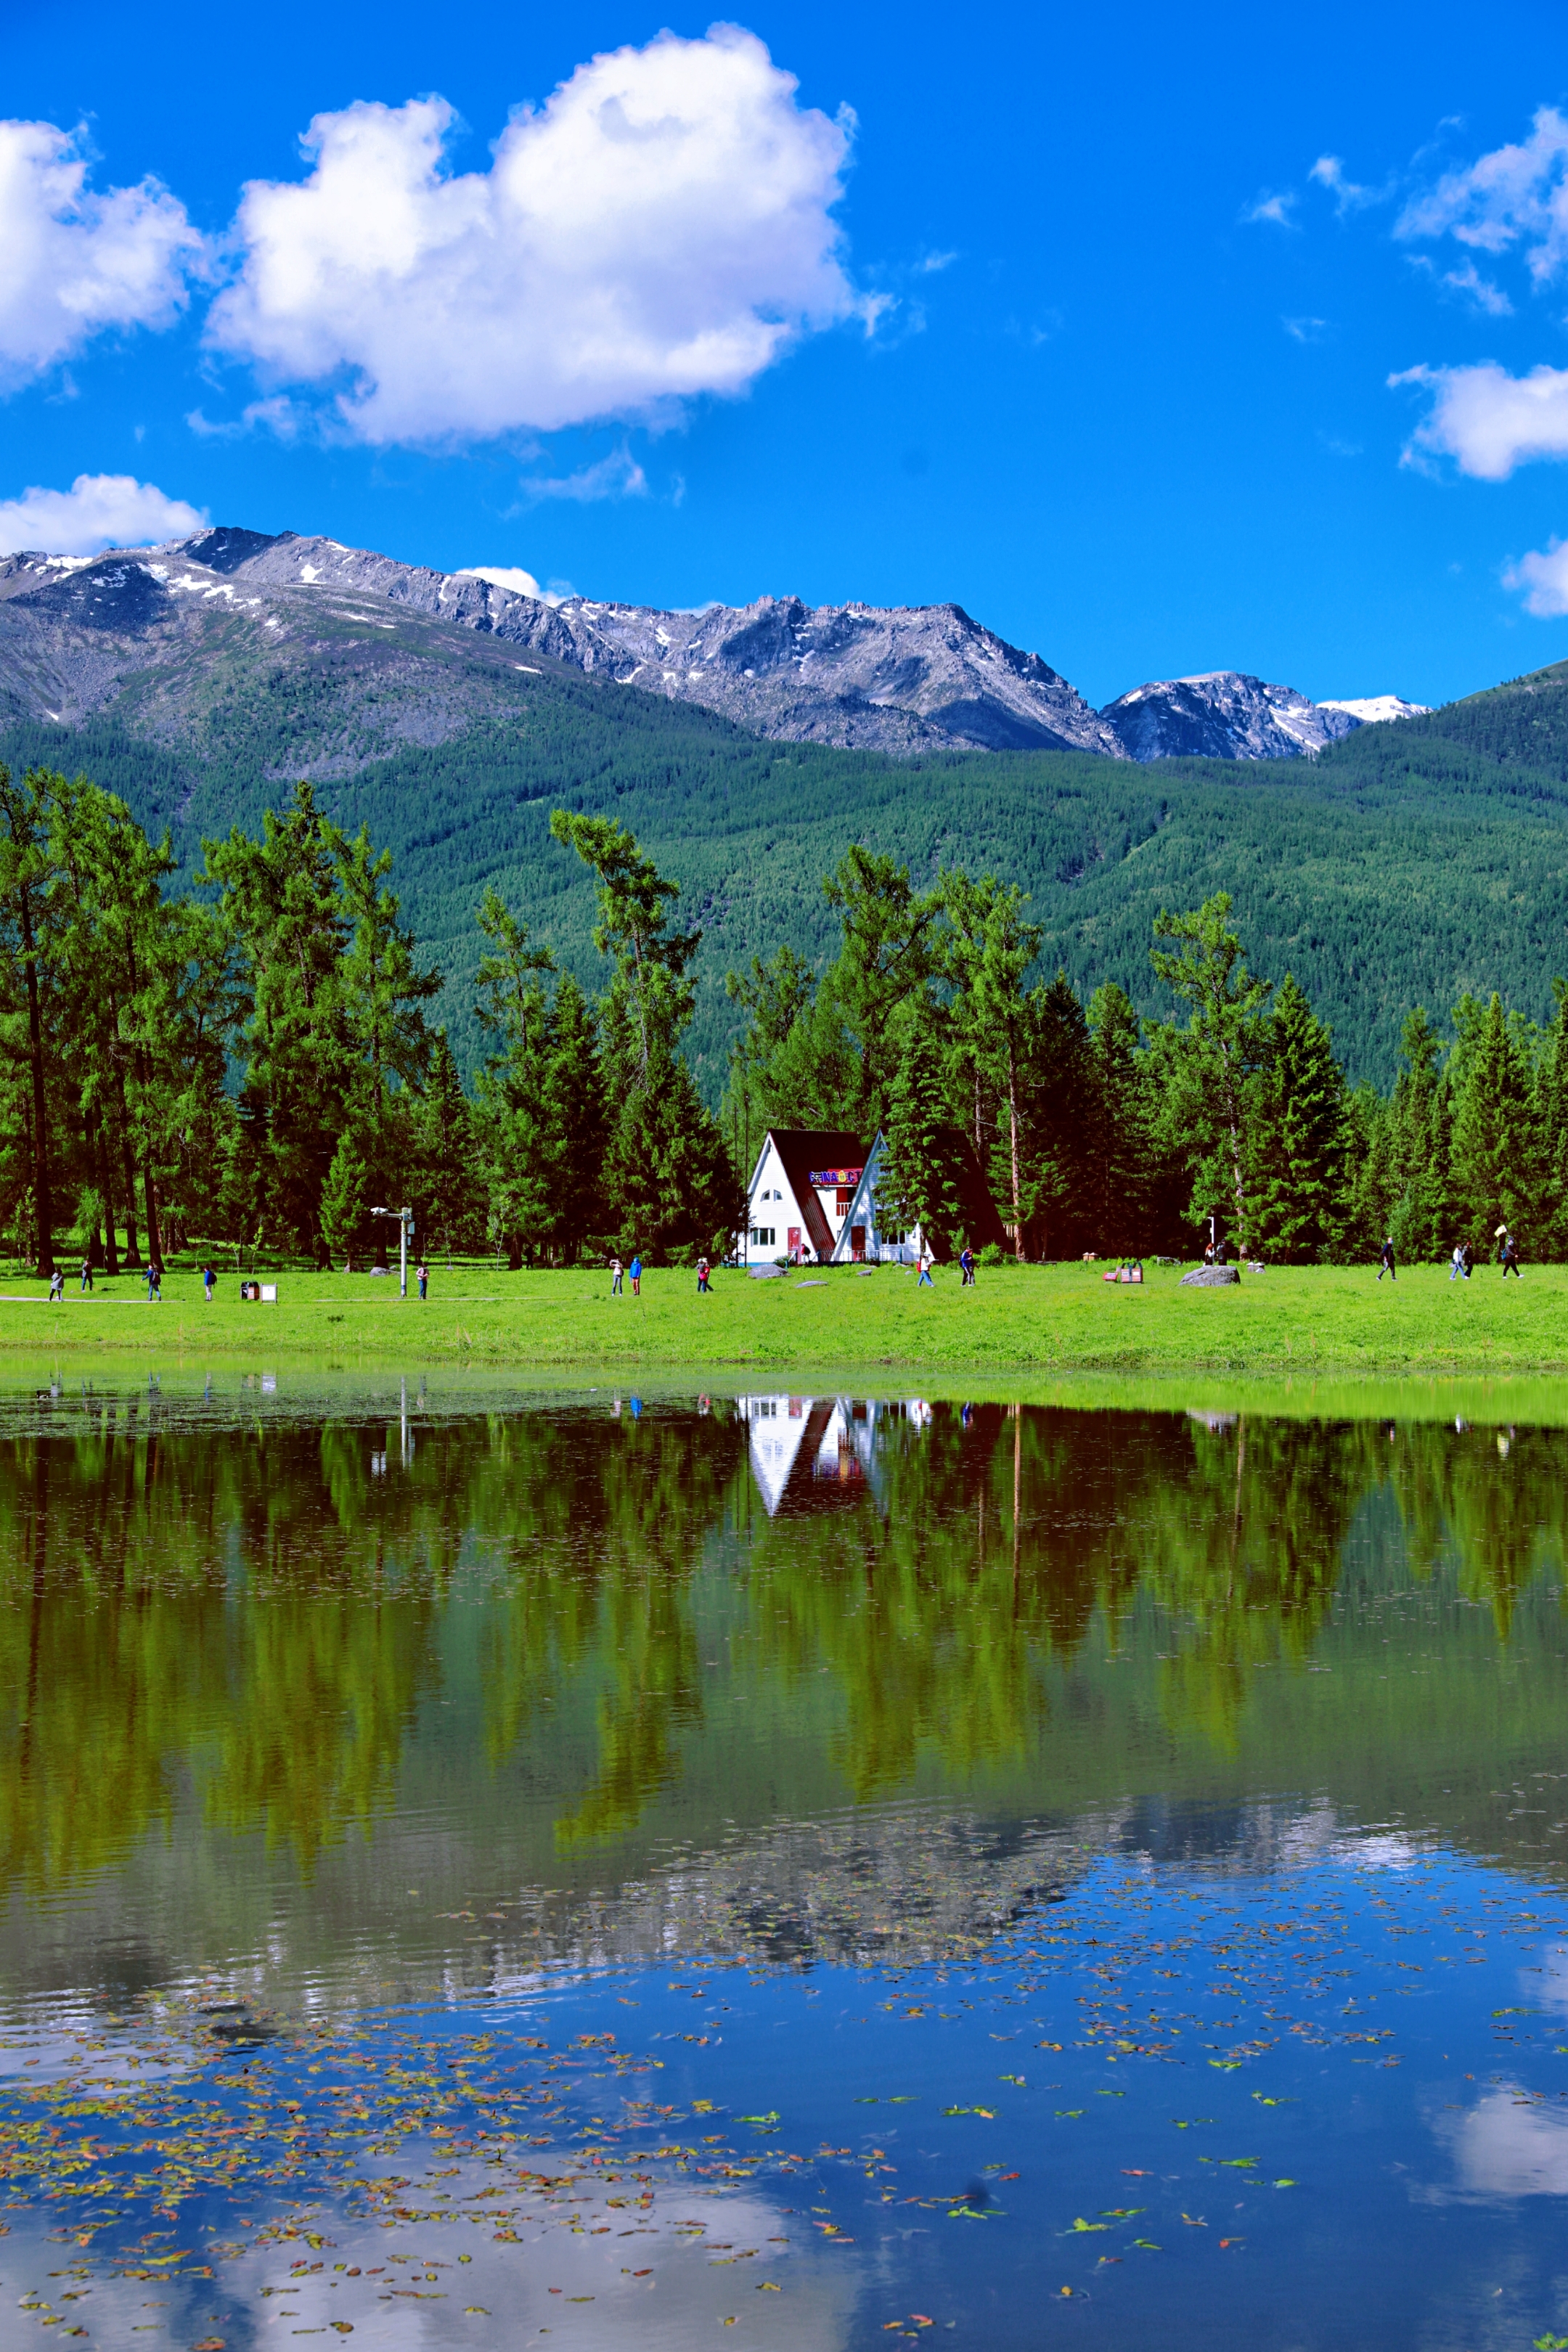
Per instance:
x=1517, y=194
x=1329, y=173
x=1305, y=330
x=1270, y=206
x=97, y=510
x=280, y=415
x=502, y=575
x=1487, y=421
x=618, y=476
x=1541, y=578
x=1482, y=292
x=73, y=263
x=661, y=227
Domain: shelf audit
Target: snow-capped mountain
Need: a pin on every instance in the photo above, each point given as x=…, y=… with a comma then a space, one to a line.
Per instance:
x=176, y=629
x=1226, y=715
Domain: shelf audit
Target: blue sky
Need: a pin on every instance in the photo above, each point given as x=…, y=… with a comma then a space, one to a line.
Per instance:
x=1063, y=316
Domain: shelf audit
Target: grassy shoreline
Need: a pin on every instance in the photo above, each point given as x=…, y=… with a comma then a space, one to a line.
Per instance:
x=1018, y=1330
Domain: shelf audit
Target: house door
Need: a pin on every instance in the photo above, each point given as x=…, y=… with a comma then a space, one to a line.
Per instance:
x=857, y=1241
x=793, y=1232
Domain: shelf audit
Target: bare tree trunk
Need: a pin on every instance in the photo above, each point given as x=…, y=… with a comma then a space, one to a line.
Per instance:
x=128, y=1168
x=1017, y=1188
x=43, y=1196
x=155, y=1249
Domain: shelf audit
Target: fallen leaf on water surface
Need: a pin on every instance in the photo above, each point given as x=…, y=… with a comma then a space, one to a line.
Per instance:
x=1194, y=2221
x=1233, y=2242
x=1294, y=2184
x=1080, y=2224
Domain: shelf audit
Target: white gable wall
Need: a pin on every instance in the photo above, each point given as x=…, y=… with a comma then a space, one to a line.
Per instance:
x=772, y=1211
x=864, y=1211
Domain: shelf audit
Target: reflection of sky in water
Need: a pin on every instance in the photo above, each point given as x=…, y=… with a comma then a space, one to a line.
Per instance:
x=1046, y=1869
x=1318, y=2101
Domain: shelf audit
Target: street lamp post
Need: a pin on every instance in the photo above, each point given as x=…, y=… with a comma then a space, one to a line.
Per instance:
x=405, y=1227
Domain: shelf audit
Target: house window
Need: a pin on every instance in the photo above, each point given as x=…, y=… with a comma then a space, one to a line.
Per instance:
x=762, y=1237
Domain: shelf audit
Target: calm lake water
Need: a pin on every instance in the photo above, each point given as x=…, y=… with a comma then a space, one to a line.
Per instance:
x=603, y=1871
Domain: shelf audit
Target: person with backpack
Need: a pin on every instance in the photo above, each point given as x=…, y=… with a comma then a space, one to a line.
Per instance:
x=704, y=1286
x=209, y=1281
x=966, y=1260
x=1509, y=1255
x=925, y=1266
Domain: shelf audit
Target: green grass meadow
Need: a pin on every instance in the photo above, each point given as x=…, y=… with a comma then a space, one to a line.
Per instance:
x=1021, y=1331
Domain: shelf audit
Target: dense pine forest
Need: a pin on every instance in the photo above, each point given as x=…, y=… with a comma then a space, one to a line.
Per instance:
x=250, y=1055
x=1409, y=865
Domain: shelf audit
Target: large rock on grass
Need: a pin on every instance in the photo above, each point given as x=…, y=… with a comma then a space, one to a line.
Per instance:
x=1210, y=1277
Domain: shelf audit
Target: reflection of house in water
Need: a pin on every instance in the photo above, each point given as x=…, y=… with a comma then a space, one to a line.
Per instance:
x=811, y=1453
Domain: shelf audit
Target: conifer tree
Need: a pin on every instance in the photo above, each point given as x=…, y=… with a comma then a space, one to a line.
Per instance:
x=922, y=1171
x=1497, y=1160
x=989, y=948
x=1299, y=1137
x=668, y=1186
x=450, y=1180
x=1121, y=1153
x=1223, y=1044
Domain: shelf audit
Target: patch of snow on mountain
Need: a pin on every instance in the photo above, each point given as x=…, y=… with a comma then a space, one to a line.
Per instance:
x=1371, y=709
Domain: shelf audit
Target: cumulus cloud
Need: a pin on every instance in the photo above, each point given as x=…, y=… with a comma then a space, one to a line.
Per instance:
x=1541, y=578
x=502, y=575
x=73, y=262
x=99, y=510
x=1515, y=196
x=661, y=227
x=1487, y=421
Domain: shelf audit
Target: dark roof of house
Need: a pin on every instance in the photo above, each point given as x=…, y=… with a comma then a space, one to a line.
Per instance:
x=802, y=1148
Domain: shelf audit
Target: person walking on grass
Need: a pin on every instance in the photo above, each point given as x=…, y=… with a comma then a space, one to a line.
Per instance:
x=1386, y=1262
x=635, y=1270
x=1509, y=1255
x=155, y=1283
x=1458, y=1266
x=209, y=1281
x=704, y=1286
x=86, y=1276
x=421, y=1276
x=615, y=1278
x=57, y=1287
x=966, y=1260
x=925, y=1265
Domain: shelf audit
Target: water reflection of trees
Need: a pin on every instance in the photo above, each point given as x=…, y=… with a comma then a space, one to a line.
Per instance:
x=266, y=1609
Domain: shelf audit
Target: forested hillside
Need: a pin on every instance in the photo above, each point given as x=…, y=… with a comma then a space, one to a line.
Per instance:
x=1408, y=865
